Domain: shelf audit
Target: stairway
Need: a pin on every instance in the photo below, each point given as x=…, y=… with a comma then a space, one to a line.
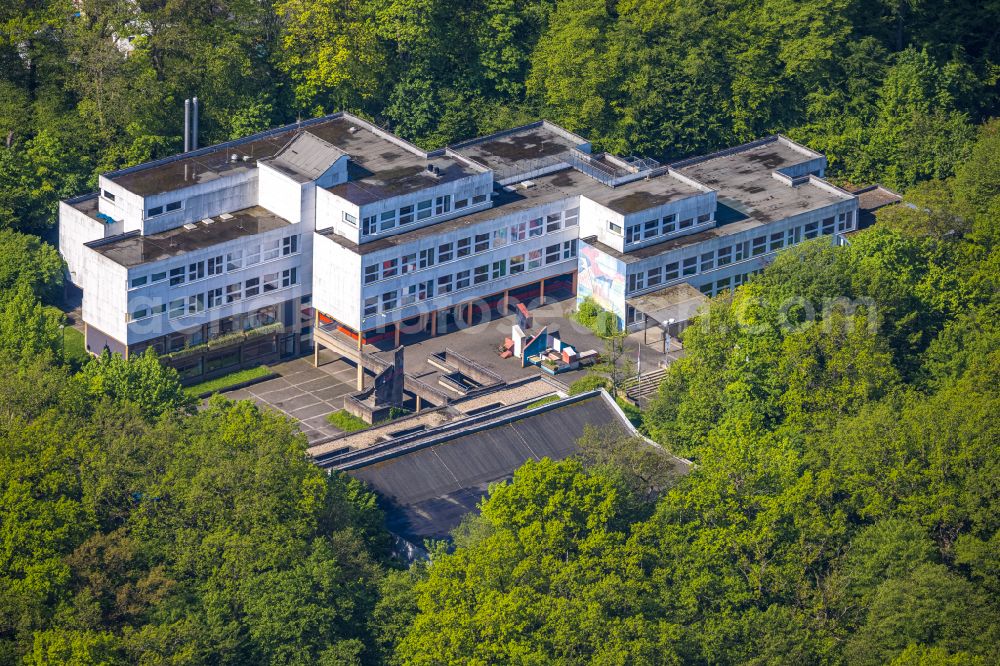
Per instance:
x=641, y=389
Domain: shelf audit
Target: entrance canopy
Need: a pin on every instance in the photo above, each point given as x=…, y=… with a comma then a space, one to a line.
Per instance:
x=679, y=302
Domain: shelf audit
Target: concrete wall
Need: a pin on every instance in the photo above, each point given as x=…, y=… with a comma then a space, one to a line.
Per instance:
x=75, y=229
x=105, y=294
x=330, y=211
x=594, y=221
x=687, y=208
x=283, y=195
x=223, y=195
x=126, y=208
x=336, y=280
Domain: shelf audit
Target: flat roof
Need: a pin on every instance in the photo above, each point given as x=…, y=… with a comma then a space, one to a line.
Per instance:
x=383, y=164
x=132, y=249
x=306, y=157
x=549, y=188
x=515, y=149
x=679, y=302
x=744, y=176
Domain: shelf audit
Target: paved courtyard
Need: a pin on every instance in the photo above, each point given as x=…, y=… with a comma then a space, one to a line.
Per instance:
x=304, y=393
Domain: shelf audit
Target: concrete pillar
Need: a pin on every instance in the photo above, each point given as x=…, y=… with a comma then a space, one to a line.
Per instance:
x=397, y=334
x=574, y=284
x=361, y=365
x=506, y=301
x=468, y=314
x=434, y=324
x=315, y=341
x=541, y=292
x=419, y=403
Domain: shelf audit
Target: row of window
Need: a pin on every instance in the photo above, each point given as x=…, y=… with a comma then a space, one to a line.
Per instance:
x=390, y=219
x=445, y=284
x=162, y=210
x=663, y=226
x=232, y=261
x=463, y=247
x=214, y=298
x=724, y=256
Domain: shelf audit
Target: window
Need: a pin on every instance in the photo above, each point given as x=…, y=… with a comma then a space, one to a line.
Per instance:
x=196, y=303
x=670, y=271
x=461, y=279
x=369, y=225
x=633, y=234
x=482, y=274
x=371, y=273
x=387, y=220
x=517, y=264
x=445, y=252
x=518, y=232
x=389, y=267
x=371, y=306
x=252, y=287
x=702, y=219
x=154, y=211
x=141, y=313
x=270, y=282
x=405, y=215
x=759, y=246
x=234, y=292
x=669, y=224
x=176, y=308
x=409, y=295
x=552, y=254
x=424, y=209
x=289, y=276
x=138, y=281
x=572, y=217
x=708, y=261
x=569, y=249
x=176, y=276
x=553, y=222
x=534, y=259
x=690, y=265
x=636, y=281
x=425, y=289
x=499, y=269
x=686, y=223
x=158, y=277
x=350, y=219
x=828, y=226
x=706, y=289
x=777, y=241
x=654, y=276
x=389, y=300
x=742, y=250
x=725, y=256
x=442, y=204
x=615, y=228
x=499, y=237
x=793, y=235
x=108, y=195
x=426, y=258
x=234, y=260
x=196, y=271
x=811, y=229
x=650, y=228
x=482, y=242
x=461, y=203
x=271, y=249
x=172, y=206
x=253, y=255
x=215, y=297
x=158, y=309
x=536, y=228
x=409, y=263
x=215, y=265
x=478, y=199
x=464, y=247
x=290, y=245
x=722, y=284
x=444, y=284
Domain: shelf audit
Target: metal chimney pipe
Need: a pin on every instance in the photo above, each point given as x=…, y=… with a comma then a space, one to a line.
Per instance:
x=194, y=126
x=187, y=125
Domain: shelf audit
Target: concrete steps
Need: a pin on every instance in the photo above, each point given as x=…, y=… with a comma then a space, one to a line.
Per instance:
x=644, y=387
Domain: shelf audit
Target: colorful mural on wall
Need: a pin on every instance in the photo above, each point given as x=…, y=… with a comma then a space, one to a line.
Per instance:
x=601, y=277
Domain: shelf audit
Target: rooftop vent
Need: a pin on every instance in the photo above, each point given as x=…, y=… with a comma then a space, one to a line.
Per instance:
x=190, y=226
x=525, y=184
x=352, y=129
x=234, y=157
x=225, y=216
x=208, y=220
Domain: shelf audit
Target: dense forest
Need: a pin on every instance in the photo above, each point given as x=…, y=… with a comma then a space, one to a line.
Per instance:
x=842, y=408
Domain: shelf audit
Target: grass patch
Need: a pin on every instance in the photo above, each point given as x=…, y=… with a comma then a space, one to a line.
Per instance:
x=343, y=420
x=543, y=401
x=228, y=381
x=75, y=349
